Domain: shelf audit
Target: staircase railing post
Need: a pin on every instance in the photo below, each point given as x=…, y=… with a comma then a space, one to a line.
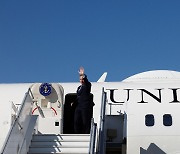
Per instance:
x=92, y=137
x=102, y=122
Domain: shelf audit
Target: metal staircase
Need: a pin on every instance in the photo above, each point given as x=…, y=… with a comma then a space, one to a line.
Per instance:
x=60, y=144
x=22, y=137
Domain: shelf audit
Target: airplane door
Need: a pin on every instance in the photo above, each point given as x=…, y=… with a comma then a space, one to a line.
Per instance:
x=48, y=104
x=69, y=109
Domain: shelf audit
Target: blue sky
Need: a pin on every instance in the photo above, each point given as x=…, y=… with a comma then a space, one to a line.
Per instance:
x=48, y=40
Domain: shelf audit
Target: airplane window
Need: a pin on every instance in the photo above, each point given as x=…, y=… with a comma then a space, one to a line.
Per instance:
x=149, y=120
x=167, y=120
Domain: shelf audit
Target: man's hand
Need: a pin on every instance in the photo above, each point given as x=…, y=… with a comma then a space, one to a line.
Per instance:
x=81, y=71
x=72, y=104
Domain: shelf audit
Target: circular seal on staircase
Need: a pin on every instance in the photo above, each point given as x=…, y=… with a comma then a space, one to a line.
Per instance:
x=45, y=89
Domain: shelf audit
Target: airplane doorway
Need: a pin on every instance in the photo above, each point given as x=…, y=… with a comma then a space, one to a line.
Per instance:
x=68, y=124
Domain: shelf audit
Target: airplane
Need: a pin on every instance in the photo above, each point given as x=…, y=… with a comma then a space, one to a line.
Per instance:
x=138, y=115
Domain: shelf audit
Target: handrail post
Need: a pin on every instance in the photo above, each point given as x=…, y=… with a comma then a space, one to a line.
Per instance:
x=90, y=144
x=92, y=137
x=102, y=121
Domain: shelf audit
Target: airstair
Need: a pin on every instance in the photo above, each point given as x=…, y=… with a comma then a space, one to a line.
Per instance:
x=28, y=135
x=62, y=143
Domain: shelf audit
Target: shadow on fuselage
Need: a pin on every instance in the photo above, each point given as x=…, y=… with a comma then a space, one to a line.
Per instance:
x=152, y=149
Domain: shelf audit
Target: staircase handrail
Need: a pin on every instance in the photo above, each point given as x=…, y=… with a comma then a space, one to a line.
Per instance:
x=17, y=120
x=92, y=137
x=101, y=145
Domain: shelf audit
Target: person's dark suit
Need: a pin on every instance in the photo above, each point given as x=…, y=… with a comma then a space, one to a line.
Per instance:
x=84, y=108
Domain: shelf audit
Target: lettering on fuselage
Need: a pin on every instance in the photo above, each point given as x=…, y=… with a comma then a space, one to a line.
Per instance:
x=158, y=98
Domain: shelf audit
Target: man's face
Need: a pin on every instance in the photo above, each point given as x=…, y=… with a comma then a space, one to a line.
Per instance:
x=81, y=79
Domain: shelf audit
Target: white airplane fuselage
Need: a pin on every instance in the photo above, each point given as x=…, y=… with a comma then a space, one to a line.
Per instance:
x=150, y=108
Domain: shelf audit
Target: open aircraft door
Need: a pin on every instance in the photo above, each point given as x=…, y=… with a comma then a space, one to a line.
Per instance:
x=48, y=104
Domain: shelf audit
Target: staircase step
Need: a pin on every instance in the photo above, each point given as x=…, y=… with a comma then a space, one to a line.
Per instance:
x=58, y=150
x=60, y=144
x=63, y=137
x=58, y=153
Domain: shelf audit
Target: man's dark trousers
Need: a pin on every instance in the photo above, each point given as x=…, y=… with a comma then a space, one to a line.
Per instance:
x=82, y=120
